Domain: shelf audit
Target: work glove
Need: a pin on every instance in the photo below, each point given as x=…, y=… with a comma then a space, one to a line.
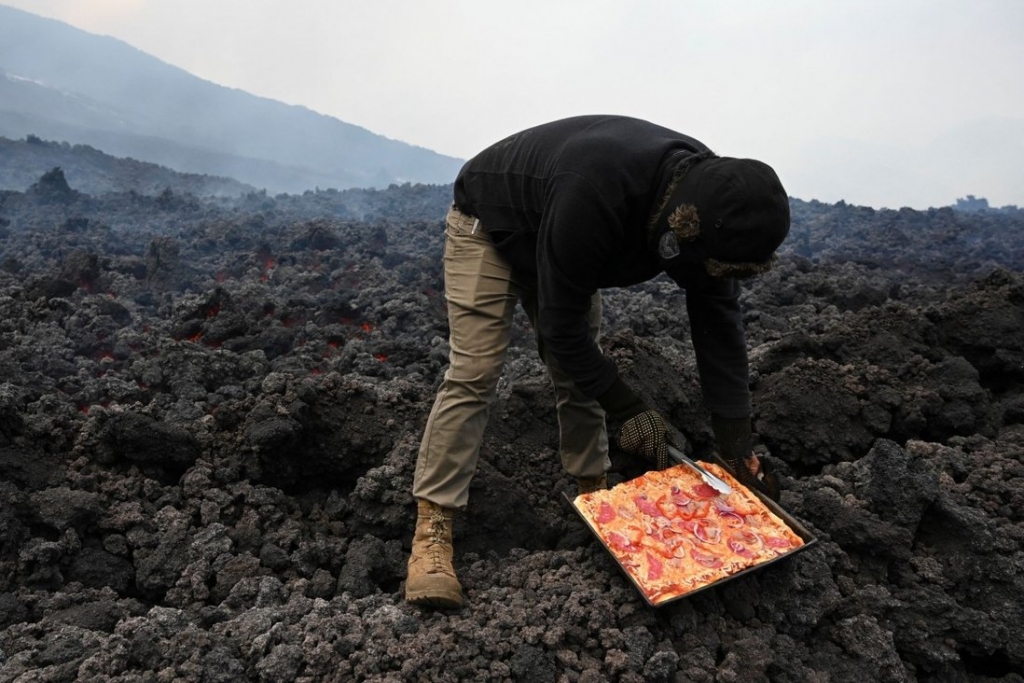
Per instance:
x=643, y=432
x=733, y=437
x=645, y=435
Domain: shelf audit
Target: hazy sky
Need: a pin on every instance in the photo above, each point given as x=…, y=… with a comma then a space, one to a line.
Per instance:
x=878, y=102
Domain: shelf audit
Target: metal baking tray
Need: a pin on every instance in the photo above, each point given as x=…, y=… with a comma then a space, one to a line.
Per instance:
x=792, y=522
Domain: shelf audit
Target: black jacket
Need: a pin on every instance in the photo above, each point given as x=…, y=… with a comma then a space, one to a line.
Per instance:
x=568, y=203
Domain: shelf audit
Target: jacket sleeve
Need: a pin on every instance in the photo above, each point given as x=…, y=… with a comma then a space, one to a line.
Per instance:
x=719, y=341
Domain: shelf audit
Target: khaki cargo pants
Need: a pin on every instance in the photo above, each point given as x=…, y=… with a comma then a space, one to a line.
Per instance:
x=482, y=294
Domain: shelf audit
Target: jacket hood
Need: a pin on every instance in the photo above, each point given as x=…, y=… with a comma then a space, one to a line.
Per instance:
x=731, y=214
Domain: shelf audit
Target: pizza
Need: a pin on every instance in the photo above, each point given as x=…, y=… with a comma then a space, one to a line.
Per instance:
x=673, y=534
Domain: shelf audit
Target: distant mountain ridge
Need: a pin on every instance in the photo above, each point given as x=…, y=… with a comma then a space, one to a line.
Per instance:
x=92, y=172
x=60, y=83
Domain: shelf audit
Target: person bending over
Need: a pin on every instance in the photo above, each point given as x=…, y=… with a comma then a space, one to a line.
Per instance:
x=547, y=218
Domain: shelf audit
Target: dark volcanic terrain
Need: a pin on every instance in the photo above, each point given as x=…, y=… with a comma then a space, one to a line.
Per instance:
x=210, y=410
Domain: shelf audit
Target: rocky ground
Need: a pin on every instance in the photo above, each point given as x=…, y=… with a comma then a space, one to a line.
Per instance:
x=210, y=409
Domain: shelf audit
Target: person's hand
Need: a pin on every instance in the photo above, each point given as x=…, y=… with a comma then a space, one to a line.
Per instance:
x=733, y=436
x=645, y=435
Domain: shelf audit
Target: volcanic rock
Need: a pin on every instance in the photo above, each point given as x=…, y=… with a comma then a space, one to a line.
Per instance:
x=210, y=412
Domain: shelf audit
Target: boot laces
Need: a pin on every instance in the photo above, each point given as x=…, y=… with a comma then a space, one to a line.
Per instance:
x=437, y=541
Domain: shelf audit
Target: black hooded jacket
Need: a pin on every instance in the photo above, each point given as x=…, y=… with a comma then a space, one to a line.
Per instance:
x=568, y=204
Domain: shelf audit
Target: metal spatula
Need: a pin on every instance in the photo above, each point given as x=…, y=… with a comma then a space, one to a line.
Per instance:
x=710, y=479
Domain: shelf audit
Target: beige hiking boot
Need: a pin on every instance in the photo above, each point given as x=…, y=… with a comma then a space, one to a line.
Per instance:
x=431, y=580
x=591, y=484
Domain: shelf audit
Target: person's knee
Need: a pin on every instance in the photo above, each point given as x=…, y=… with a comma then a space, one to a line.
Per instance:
x=476, y=376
